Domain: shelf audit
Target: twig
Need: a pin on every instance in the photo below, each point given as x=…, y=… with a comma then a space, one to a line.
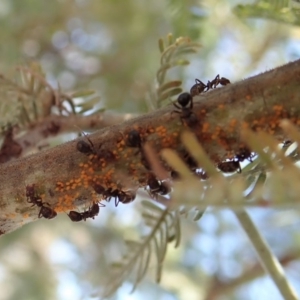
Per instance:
x=218, y=287
x=267, y=258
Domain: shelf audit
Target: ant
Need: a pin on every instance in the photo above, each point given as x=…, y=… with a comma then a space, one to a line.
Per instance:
x=156, y=187
x=230, y=166
x=190, y=161
x=90, y=213
x=134, y=139
x=126, y=197
x=197, y=88
x=84, y=147
x=185, y=101
x=244, y=153
x=120, y=196
x=286, y=143
x=46, y=211
x=99, y=189
x=213, y=84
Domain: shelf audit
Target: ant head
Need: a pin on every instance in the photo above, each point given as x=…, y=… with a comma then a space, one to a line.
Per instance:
x=134, y=138
x=184, y=99
x=84, y=147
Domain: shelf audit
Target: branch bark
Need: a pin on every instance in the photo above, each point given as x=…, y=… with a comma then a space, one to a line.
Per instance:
x=56, y=124
x=66, y=178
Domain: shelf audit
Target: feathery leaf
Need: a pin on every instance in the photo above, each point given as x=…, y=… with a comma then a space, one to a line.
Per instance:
x=137, y=258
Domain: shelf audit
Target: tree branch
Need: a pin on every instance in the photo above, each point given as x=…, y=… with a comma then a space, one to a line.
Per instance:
x=268, y=260
x=66, y=178
x=56, y=124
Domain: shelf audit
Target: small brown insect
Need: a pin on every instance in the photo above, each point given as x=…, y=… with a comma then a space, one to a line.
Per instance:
x=230, y=166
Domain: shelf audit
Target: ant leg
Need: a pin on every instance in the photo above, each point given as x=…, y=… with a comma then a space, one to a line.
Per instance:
x=216, y=81
x=176, y=105
x=191, y=104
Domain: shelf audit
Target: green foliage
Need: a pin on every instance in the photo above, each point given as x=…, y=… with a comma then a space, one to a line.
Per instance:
x=280, y=11
x=164, y=228
x=29, y=98
x=173, y=54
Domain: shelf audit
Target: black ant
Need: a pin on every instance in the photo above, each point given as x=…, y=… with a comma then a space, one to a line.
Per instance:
x=84, y=147
x=75, y=216
x=156, y=187
x=197, y=88
x=213, y=84
x=126, y=197
x=119, y=195
x=230, y=166
x=244, y=153
x=286, y=143
x=46, y=211
x=190, y=161
x=185, y=101
x=99, y=189
x=134, y=139
x=92, y=212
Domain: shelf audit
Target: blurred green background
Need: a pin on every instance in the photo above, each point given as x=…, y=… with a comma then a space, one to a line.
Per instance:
x=112, y=47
